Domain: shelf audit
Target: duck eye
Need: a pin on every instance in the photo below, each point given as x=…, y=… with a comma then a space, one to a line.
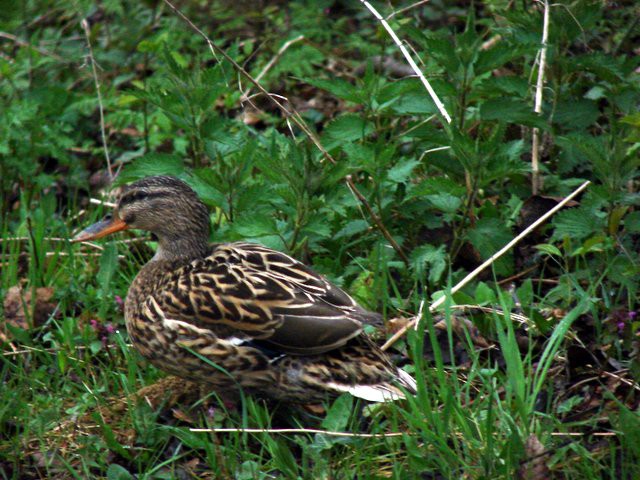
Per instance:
x=133, y=197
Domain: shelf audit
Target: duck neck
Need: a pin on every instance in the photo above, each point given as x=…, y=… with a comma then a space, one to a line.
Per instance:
x=181, y=248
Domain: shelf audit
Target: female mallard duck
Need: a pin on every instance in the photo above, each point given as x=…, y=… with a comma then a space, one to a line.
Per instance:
x=240, y=314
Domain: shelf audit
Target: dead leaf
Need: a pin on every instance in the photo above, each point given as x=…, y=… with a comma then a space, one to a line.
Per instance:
x=534, y=467
x=38, y=312
x=461, y=324
x=182, y=416
x=396, y=324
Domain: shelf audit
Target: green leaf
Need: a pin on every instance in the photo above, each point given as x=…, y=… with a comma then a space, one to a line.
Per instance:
x=444, y=202
x=401, y=172
x=340, y=88
x=108, y=265
x=152, y=164
x=442, y=49
x=436, y=185
x=414, y=103
x=633, y=119
x=203, y=184
x=353, y=227
x=435, y=258
x=576, y=113
x=632, y=222
x=338, y=414
x=19, y=334
x=346, y=128
x=511, y=111
x=576, y=223
x=525, y=293
x=254, y=226
x=497, y=56
x=549, y=249
x=117, y=472
x=484, y=295
x=489, y=236
x=358, y=154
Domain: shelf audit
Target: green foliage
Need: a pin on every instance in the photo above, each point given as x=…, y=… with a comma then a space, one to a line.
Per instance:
x=450, y=196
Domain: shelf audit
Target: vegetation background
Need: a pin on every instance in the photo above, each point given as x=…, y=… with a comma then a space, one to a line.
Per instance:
x=530, y=371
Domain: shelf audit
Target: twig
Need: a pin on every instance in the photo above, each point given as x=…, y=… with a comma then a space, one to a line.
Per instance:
x=26, y=239
x=417, y=125
x=87, y=33
x=536, y=182
x=491, y=42
x=271, y=63
x=488, y=262
x=518, y=275
x=402, y=10
x=413, y=65
x=623, y=380
x=431, y=150
x=22, y=43
x=516, y=316
x=298, y=430
x=377, y=220
x=290, y=114
x=65, y=240
x=97, y=201
x=53, y=350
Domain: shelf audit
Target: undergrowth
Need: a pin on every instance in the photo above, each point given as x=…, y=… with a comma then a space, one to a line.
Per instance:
x=531, y=371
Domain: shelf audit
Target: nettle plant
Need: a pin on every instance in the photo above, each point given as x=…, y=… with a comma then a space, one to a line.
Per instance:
x=440, y=189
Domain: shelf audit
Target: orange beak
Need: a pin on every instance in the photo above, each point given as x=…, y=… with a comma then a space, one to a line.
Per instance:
x=101, y=229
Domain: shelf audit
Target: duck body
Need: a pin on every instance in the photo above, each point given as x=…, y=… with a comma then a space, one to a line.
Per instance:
x=240, y=315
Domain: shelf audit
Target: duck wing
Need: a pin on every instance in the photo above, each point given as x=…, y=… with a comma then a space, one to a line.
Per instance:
x=254, y=294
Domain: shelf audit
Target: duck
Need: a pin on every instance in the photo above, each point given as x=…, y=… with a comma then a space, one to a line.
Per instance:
x=240, y=315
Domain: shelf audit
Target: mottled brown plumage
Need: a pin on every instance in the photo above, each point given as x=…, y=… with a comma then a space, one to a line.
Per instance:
x=239, y=314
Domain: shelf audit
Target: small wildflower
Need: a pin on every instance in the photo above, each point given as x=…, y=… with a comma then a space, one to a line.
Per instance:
x=109, y=328
x=620, y=326
x=632, y=315
x=211, y=412
x=119, y=301
x=95, y=325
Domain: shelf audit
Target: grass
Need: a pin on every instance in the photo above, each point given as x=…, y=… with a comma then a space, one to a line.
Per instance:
x=470, y=419
x=542, y=382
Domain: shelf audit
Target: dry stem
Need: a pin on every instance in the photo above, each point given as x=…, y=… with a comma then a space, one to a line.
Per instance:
x=297, y=430
x=271, y=63
x=536, y=181
x=413, y=65
x=94, y=71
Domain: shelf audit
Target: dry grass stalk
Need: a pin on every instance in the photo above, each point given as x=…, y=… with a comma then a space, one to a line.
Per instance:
x=409, y=58
x=487, y=263
x=94, y=71
x=536, y=180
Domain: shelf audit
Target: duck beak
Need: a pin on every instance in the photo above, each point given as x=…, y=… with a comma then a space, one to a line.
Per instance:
x=101, y=229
